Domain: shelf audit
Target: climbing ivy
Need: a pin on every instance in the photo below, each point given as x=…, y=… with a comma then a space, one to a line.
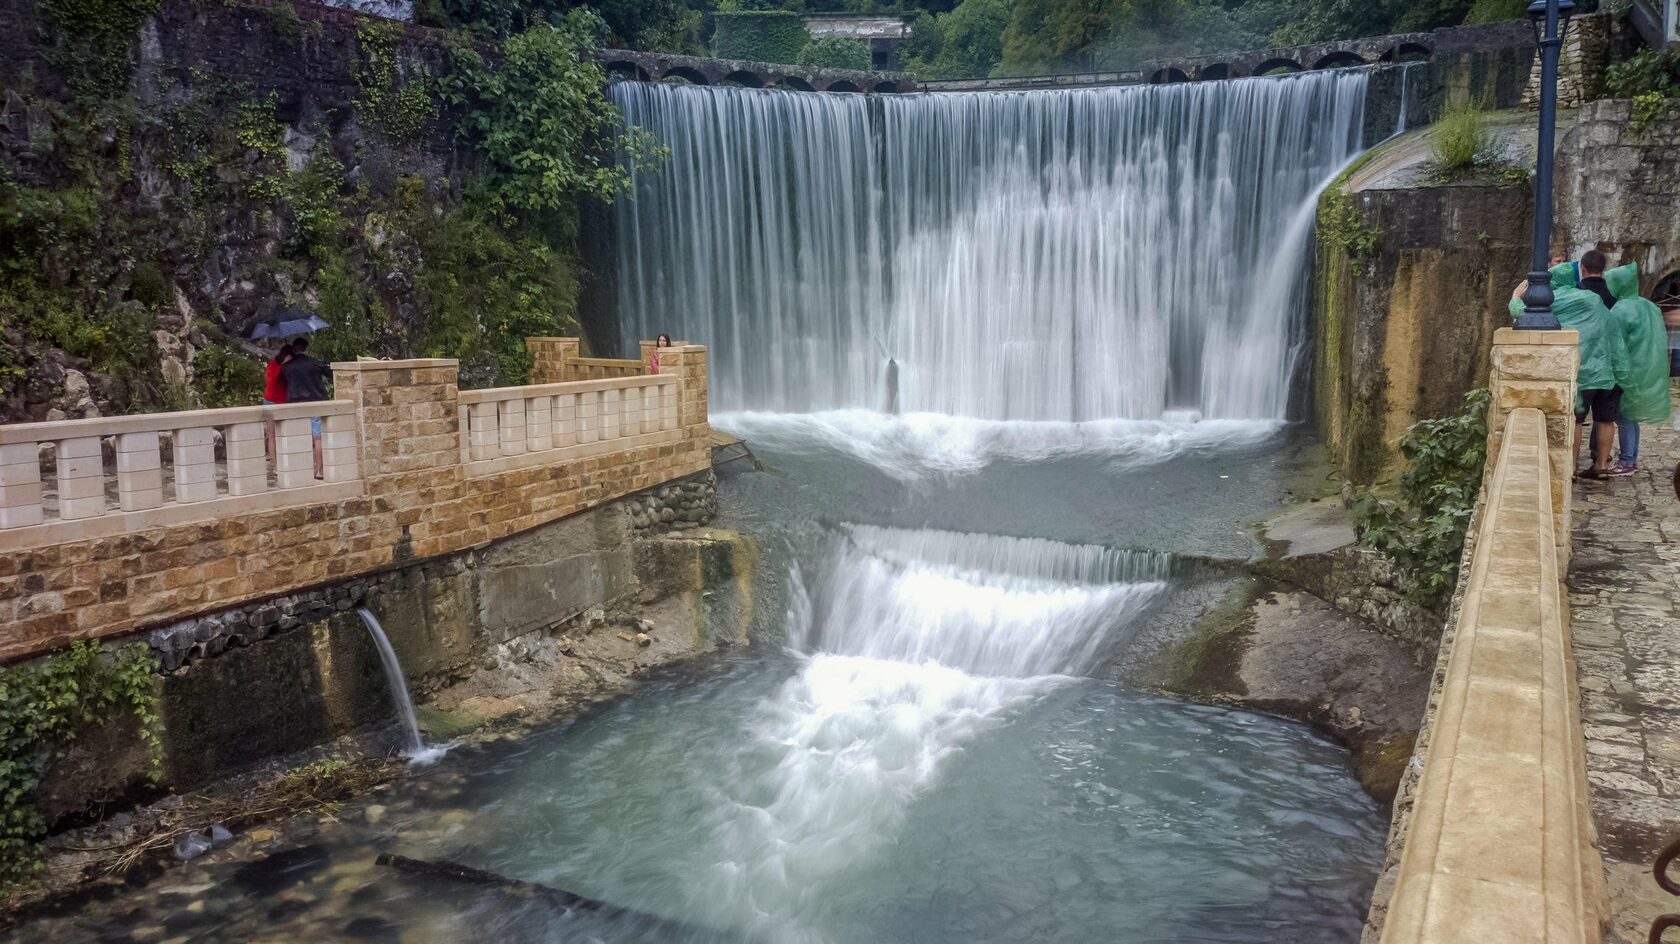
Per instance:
x=44, y=706
x=1342, y=224
x=95, y=39
x=395, y=91
x=1422, y=530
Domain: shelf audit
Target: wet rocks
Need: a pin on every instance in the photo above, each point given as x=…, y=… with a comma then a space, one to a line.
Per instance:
x=676, y=506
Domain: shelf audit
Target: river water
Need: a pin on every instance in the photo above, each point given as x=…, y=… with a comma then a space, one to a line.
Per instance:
x=1010, y=358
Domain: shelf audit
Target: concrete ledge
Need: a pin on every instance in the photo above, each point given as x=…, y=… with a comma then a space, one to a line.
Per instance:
x=1500, y=847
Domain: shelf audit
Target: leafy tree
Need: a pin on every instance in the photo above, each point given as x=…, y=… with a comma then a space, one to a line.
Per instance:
x=835, y=52
x=542, y=119
x=922, y=46
x=969, y=41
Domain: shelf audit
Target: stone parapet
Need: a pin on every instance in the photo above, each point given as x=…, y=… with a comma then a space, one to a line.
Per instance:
x=1499, y=845
x=1536, y=370
x=405, y=488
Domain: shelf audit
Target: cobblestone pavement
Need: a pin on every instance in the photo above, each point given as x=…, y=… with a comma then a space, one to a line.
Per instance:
x=1624, y=594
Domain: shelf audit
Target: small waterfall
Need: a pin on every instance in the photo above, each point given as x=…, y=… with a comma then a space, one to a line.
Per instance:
x=1402, y=123
x=1068, y=256
x=417, y=750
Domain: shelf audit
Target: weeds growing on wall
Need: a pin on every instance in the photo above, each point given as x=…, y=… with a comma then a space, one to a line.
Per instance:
x=44, y=706
x=1422, y=528
x=396, y=92
x=1462, y=147
x=1342, y=224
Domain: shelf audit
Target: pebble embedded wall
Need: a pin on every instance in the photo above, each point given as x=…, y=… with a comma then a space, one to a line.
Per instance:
x=416, y=502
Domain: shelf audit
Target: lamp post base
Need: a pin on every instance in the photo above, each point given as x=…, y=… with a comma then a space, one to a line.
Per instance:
x=1537, y=321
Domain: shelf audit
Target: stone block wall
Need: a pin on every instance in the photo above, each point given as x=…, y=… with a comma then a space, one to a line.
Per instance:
x=1618, y=189
x=1586, y=51
x=416, y=502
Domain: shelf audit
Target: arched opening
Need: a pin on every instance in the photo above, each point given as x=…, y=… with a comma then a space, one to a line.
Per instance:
x=1215, y=72
x=626, y=71
x=1408, y=52
x=886, y=88
x=795, y=83
x=1277, y=67
x=744, y=79
x=1167, y=76
x=1342, y=59
x=1667, y=296
x=684, y=75
x=843, y=86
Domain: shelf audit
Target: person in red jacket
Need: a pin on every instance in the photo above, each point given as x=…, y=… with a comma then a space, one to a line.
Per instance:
x=274, y=390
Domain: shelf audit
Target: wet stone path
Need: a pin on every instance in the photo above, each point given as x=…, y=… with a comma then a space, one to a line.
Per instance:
x=1624, y=595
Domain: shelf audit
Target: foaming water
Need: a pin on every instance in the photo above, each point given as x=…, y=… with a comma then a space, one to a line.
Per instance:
x=920, y=445
x=1052, y=256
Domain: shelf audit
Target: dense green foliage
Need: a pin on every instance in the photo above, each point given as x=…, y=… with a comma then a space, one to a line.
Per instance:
x=1422, y=530
x=1647, y=71
x=835, y=52
x=759, y=35
x=1342, y=224
x=44, y=706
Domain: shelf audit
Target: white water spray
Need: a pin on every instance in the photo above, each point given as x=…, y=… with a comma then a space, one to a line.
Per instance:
x=417, y=750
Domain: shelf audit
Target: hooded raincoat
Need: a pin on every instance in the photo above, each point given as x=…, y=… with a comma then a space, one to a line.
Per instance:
x=1644, y=377
x=1603, y=357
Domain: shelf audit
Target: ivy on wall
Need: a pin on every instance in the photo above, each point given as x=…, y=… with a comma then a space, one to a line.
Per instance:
x=759, y=35
x=44, y=706
x=835, y=52
x=396, y=95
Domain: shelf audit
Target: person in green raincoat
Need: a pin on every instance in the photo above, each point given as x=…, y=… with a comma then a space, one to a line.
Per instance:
x=1644, y=378
x=1602, y=360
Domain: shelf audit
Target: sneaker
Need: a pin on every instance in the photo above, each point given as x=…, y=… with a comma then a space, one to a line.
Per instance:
x=1622, y=470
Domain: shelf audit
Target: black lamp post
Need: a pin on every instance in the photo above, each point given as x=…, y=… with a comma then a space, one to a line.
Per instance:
x=1551, y=20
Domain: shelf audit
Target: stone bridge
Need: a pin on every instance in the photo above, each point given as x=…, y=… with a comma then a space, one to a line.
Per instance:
x=657, y=67
x=1399, y=47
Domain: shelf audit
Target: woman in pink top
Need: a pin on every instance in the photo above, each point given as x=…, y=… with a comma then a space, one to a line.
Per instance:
x=664, y=340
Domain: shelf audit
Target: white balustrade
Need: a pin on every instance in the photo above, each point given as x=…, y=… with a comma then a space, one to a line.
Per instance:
x=517, y=427
x=218, y=462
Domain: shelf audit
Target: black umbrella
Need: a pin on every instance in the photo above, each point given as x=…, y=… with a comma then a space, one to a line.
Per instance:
x=285, y=323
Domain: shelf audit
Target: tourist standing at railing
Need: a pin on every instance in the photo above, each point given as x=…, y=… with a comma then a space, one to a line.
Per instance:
x=1601, y=363
x=274, y=391
x=306, y=380
x=1644, y=380
x=664, y=340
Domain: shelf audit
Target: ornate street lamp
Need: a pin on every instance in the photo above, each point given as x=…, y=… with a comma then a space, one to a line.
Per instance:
x=1550, y=19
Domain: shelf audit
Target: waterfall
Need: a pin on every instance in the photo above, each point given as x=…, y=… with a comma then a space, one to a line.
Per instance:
x=416, y=748
x=1071, y=255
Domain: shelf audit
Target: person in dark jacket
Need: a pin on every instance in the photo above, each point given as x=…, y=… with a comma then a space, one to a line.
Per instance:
x=1593, y=264
x=307, y=380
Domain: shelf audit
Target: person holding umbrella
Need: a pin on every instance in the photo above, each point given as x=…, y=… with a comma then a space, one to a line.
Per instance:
x=300, y=378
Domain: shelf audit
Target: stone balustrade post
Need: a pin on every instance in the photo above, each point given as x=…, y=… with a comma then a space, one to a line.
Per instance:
x=409, y=414
x=688, y=362
x=1537, y=369
x=551, y=359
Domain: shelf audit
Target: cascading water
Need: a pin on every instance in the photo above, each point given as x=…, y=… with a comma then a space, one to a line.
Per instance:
x=1048, y=256
x=416, y=748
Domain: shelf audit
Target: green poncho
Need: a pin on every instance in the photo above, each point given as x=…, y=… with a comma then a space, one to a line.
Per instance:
x=1602, y=354
x=1644, y=376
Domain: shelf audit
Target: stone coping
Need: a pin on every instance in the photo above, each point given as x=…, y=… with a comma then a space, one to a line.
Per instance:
x=1513, y=336
x=497, y=394
x=1500, y=846
x=157, y=422
x=410, y=363
x=525, y=460
x=115, y=523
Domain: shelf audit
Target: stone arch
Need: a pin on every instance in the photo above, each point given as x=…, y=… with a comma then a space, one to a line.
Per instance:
x=1340, y=59
x=1215, y=72
x=624, y=69
x=842, y=85
x=1168, y=75
x=886, y=88
x=743, y=78
x=795, y=83
x=691, y=76
x=1278, y=67
x=1407, y=52
x=1666, y=293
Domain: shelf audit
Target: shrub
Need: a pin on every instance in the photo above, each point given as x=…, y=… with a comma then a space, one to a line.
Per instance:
x=1459, y=138
x=1422, y=532
x=225, y=377
x=1497, y=11
x=759, y=35
x=836, y=52
x=1649, y=71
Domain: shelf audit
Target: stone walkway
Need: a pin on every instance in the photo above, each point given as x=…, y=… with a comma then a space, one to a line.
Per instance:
x=1624, y=594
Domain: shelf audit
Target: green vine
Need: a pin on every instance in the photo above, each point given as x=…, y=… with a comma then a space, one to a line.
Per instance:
x=97, y=35
x=1422, y=532
x=396, y=92
x=44, y=706
x=1647, y=108
x=1342, y=225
